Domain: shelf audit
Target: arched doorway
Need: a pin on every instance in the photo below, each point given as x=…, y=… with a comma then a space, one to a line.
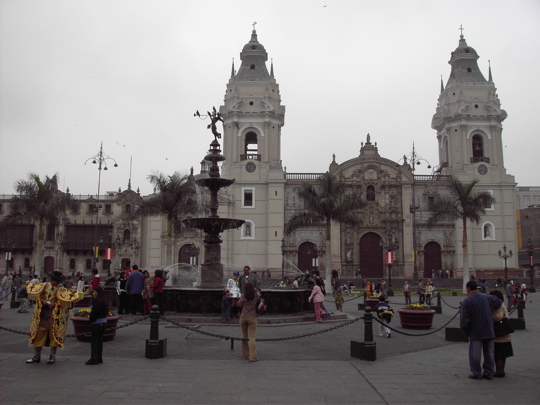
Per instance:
x=432, y=258
x=48, y=264
x=188, y=254
x=307, y=253
x=371, y=256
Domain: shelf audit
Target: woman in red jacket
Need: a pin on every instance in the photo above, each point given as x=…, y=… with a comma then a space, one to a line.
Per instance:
x=157, y=286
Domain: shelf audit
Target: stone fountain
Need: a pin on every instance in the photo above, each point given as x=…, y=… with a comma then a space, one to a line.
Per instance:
x=213, y=225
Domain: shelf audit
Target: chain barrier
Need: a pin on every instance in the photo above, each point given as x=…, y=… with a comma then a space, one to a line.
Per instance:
x=136, y=321
x=85, y=334
x=442, y=299
x=262, y=340
x=15, y=331
x=417, y=334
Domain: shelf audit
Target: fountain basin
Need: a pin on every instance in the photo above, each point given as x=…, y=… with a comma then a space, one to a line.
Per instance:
x=208, y=301
x=213, y=226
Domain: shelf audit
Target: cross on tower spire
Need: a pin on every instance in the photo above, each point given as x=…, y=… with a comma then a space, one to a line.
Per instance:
x=461, y=29
x=254, y=24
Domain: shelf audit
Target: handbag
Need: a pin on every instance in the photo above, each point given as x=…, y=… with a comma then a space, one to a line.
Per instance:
x=503, y=327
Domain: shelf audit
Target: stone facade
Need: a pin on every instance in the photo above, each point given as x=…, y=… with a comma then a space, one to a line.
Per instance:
x=468, y=124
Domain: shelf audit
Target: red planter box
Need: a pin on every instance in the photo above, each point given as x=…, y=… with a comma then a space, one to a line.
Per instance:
x=413, y=319
x=81, y=324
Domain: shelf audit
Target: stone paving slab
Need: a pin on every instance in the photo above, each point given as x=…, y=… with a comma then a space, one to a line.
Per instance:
x=310, y=370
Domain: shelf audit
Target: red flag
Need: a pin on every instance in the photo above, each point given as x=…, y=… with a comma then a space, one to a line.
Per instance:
x=390, y=257
x=108, y=254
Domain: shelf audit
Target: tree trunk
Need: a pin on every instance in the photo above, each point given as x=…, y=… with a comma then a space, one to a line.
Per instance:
x=465, y=247
x=328, y=259
x=168, y=253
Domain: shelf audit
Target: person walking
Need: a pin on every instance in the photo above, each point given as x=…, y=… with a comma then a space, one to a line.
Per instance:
x=502, y=344
x=318, y=298
x=385, y=314
x=98, y=320
x=407, y=292
x=248, y=321
x=477, y=321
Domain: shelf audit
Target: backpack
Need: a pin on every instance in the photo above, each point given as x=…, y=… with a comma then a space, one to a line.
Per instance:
x=260, y=307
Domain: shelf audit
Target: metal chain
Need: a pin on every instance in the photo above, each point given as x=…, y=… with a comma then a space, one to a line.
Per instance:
x=136, y=321
x=262, y=340
x=15, y=331
x=442, y=299
x=418, y=334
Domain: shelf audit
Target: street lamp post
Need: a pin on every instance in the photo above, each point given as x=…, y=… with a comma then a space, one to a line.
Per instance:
x=415, y=160
x=530, y=251
x=505, y=256
x=101, y=160
x=391, y=246
x=282, y=258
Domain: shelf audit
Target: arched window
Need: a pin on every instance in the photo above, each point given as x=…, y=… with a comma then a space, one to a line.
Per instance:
x=128, y=208
x=88, y=264
x=445, y=150
x=370, y=193
x=251, y=144
x=127, y=235
x=72, y=264
x=477, y=146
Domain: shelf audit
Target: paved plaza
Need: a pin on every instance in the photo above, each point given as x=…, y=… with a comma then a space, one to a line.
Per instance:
x=312, y=369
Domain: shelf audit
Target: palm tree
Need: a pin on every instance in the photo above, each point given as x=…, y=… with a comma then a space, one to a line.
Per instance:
x=462, y=204
x=325, y=201
x=39, y=200
x=176, y=198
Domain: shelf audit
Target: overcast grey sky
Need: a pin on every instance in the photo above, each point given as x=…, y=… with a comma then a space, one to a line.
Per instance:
x=131, y=73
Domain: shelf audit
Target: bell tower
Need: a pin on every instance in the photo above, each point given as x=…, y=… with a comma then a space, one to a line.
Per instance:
x=252, y=120
x=468, y=121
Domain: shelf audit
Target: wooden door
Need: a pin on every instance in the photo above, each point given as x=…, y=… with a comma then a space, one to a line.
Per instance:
x=432, y=258
x=371, y=256
x=306, y=254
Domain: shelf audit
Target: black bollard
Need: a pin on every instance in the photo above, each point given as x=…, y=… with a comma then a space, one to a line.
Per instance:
x=366, y=350
x=437, y=308
x=519, y=322
x=155, y=348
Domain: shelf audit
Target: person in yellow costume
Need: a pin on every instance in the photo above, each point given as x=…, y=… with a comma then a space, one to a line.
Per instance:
x=49, y=320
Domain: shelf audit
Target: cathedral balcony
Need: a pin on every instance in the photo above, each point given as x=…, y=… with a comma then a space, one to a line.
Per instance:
x=250, y=157
x=479, y=159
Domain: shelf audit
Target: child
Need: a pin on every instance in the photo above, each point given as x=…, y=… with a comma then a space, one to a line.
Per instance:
x=385, y=314
x=339, y=300
x=225, y=306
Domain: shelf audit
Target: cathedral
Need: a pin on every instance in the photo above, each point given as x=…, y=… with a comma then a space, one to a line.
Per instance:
x=468, y=126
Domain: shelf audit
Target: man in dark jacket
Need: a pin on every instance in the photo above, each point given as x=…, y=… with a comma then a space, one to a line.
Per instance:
x=248, y=278
x=134, y=287
x=477, y=322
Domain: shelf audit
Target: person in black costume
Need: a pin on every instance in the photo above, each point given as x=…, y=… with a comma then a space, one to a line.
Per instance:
x=98, y=320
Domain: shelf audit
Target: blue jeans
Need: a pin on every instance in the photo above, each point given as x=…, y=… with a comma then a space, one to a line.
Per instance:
x=476, y=348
